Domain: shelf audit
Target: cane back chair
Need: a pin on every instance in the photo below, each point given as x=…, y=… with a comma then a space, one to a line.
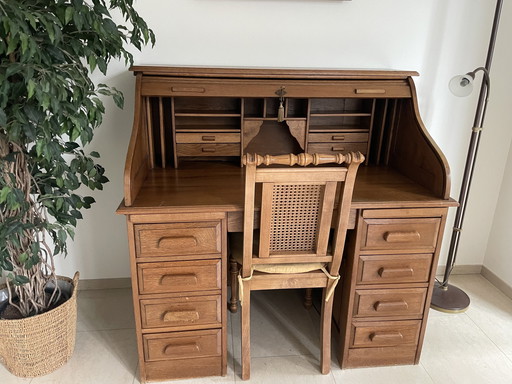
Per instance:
x=295, y=247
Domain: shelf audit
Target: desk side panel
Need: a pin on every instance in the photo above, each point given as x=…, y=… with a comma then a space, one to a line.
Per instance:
x=137, y=162
x=414, y=152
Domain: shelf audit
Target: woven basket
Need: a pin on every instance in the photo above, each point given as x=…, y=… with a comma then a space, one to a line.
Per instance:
x=38, y=345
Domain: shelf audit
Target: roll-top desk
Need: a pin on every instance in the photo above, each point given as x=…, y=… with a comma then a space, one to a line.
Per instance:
x=183, y=192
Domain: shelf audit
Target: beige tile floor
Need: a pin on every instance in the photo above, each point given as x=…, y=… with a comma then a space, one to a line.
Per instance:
x=473, y=347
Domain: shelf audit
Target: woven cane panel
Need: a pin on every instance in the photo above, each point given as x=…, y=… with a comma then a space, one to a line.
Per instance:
x=295, y=217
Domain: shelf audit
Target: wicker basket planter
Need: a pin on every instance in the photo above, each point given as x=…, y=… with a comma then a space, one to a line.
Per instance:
x=38, y=345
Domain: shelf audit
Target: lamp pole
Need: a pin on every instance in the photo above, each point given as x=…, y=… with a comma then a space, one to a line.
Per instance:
x=447, y=297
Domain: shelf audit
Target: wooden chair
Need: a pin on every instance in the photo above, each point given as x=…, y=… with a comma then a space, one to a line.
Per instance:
x=293, y=248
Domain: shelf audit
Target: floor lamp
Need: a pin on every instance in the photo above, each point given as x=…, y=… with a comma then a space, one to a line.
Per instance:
x=447, y=297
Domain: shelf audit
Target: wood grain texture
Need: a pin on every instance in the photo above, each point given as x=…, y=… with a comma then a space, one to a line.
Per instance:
x=261, y=73
x=297, y=206
x=179, y=276
x=182, y=312
x=178, y=218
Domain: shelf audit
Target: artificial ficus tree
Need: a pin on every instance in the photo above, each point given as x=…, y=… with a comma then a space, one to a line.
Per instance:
x=49, y=109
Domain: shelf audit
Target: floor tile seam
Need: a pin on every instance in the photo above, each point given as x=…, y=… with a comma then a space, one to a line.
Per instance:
x=427, y=372
x=233, y=361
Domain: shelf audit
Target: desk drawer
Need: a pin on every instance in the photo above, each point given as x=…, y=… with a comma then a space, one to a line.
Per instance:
x=182, y=345
x=205, y=137
x=175, y=239
x=385, y=334
x=336, y=148
x=381, y=356
x=342, y=137
x=406, y=302
x=396, y=234
x=197, y=311
x=376, y=269
x=179, y=276
x=208, y=149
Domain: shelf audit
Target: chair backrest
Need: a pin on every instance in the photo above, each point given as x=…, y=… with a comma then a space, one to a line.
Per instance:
x=297, y=207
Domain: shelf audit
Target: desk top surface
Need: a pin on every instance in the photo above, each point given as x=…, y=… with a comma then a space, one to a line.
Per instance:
x=217, y=186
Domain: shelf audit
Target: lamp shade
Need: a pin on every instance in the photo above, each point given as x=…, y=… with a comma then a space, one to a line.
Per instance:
x=461, y=85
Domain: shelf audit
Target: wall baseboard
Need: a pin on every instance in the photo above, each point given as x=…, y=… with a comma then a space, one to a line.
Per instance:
x=117, y=283
x=497, y=282
x=461, y=269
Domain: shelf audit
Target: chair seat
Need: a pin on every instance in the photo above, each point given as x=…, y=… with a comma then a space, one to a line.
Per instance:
x=236, y=243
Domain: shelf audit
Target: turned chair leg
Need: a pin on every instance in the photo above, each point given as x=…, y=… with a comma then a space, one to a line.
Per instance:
x=233, y=301
x=325, y=334
x=246, y=332
x=308, y=298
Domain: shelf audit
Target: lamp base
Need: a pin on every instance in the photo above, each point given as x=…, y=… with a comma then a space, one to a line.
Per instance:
x=449, y=299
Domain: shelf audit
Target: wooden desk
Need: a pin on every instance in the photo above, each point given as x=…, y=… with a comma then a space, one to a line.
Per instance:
x=184, y=192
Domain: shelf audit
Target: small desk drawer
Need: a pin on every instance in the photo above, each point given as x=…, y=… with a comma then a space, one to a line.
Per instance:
x=181, y=312
x=406, y=302
x=208, y=149
x=179, y=276
x=385, y=334
x=376, y=269
x=173, y=239
x=337, y=148
x=205, y=137
x=182, y=345
x=343, y=137
x=407, y=234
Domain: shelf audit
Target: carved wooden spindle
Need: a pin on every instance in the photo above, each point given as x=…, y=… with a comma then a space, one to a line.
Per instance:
x=303, y=159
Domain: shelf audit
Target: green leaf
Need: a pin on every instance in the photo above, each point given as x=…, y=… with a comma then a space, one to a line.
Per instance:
x=31, y=87
x=4, y=193
x=20, y=280
x=68, y=15
x=39, y=148
x=62, y=236
x=92, y=62
x=23, y=257
x=94, y=154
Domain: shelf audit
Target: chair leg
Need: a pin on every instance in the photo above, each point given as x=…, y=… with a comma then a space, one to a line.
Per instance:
x=325, y=334
x=308, y=298
x=233, y=301
x=246, y=332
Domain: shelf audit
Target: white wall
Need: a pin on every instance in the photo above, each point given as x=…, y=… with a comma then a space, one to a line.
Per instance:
x=499, y=251
x=437, y=38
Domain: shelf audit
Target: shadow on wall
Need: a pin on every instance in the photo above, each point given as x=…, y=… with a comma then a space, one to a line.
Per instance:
x=100, y=249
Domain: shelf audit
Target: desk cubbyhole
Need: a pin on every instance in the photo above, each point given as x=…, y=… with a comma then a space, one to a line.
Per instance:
x=207, y=105
x=273, y=138
x=158, y=122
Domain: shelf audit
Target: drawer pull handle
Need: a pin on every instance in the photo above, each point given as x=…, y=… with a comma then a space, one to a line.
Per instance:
x=208, y=138
x=339, y=149
x=181, y=349
x=402, y=236
x=386, y=337
x=208, y=149
x=180, y=241
x=188, y=89
x=389, y=306
x=340, y=138
x=389, y=273
x=179, y=279
x=181, y=316
x=362, y=91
